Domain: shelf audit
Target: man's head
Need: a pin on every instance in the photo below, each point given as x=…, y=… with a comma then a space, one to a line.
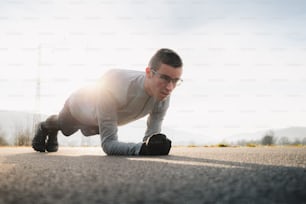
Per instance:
x=165, y=56
x=163, y=73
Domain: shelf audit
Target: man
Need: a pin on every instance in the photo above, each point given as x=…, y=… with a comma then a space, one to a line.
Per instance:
x=119, y=97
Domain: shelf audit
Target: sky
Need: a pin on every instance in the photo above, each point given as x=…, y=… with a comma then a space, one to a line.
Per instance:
x=244, y=60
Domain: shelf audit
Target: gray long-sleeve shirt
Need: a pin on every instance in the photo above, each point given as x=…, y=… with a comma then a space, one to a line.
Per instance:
x=116, y=99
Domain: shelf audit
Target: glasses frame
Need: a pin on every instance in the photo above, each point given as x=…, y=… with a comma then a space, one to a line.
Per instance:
x=167, y=79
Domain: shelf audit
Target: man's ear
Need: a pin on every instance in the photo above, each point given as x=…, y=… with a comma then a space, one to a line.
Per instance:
x=148, y=72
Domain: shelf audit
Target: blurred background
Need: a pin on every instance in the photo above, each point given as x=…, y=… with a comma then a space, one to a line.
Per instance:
x=244, y=63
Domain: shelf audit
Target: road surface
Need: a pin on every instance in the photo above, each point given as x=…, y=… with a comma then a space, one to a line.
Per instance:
x=187, y=175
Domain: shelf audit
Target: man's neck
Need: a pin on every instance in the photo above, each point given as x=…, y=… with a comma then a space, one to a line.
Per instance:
x=147, y=87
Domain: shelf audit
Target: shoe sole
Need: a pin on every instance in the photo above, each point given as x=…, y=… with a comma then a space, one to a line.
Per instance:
x=39, y=140
x=52, y=148
x=38, y=147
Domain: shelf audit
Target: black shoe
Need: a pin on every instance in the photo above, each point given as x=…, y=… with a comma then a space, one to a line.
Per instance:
x=39, y=140
x=157, y=144
x=52, y=144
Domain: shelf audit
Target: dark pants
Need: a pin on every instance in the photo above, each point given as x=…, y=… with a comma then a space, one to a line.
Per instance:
x=69, y=125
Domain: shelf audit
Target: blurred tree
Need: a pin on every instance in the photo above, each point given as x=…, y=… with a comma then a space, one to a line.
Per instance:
x=3, y=141
x=22, y=137
x=268, y=139
x=297, y=142
x=304, y=141
x=284, y=141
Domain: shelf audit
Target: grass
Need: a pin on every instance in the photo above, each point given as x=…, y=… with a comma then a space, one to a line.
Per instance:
x=222, y=145
x=192, y=145
x=251, y=145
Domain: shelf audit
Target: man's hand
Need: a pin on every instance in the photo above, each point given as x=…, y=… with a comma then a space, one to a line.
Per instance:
x=157, y=144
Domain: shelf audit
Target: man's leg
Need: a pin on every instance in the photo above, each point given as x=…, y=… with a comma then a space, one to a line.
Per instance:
x=51, y=124
x=39, y=140
x=47, y=128
x=46, y=133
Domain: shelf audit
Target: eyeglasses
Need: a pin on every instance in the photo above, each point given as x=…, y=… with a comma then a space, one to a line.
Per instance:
x=166, y=79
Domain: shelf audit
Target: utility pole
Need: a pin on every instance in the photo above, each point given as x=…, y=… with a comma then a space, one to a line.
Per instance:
x=36, y=114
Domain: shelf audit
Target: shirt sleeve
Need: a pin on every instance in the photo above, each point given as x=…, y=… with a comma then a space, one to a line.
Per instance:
x=155, y=119
x=107, y=115
x=107, y=118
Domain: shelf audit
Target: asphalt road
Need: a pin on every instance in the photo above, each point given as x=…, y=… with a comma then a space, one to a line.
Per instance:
x=188, y=175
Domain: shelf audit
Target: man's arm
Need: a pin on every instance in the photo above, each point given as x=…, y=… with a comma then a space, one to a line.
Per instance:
x=106, y=111
x=155, y=119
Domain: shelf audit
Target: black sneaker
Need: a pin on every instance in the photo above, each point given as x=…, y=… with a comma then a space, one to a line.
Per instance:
x=39, y=140
x=52, y=144
x=157, y=144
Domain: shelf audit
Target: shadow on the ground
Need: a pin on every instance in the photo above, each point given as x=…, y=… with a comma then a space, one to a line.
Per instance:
x=148, y=179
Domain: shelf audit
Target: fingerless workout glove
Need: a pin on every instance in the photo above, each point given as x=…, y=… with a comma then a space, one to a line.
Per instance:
x=157, y=144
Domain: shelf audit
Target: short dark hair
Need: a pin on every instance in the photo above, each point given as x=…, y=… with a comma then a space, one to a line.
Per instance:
x=165, y=56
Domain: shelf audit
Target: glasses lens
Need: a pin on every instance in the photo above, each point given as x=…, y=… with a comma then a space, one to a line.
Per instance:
x=179, y=82
x=167, y=79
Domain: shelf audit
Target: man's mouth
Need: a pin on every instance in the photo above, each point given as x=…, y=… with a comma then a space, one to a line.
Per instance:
x=165, y=93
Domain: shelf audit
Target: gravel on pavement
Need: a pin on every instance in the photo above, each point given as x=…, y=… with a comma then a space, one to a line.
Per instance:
x=188, y=175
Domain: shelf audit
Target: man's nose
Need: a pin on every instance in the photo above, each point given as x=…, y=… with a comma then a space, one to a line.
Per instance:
x=170, y=86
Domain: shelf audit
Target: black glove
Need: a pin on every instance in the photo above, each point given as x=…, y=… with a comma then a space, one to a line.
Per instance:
x=157, y=144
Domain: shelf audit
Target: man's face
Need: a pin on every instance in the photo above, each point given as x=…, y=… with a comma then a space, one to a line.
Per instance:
x=163, y=81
